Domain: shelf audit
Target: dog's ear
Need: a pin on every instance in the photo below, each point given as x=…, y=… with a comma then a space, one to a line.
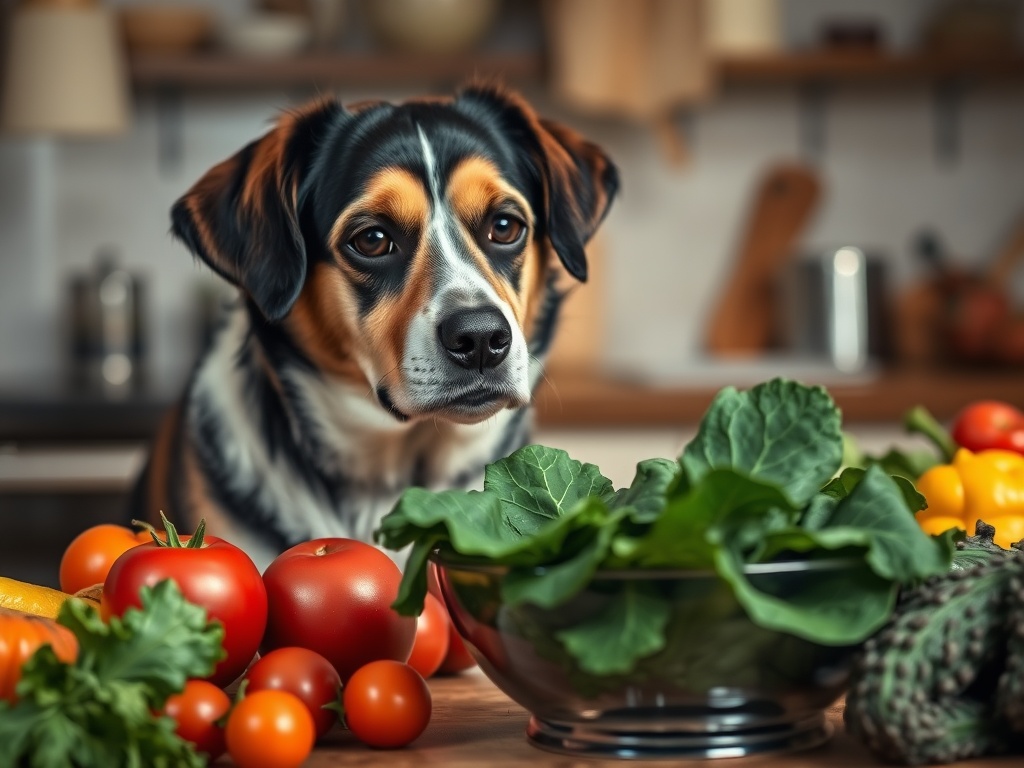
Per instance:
x=579, y=179
x=242, y=217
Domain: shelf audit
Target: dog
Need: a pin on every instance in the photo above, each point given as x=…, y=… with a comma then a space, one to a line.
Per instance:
x=400, y=270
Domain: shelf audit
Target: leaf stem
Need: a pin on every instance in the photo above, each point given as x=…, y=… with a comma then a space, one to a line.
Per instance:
x=919, y=420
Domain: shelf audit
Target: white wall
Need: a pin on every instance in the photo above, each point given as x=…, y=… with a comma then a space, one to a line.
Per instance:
x=670, y=235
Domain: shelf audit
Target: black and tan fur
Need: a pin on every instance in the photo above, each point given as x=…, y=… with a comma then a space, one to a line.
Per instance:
x=347, y=373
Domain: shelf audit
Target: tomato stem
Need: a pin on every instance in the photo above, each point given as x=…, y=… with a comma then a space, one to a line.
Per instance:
x=195, y=541
x=337, y=706
x=144, y=526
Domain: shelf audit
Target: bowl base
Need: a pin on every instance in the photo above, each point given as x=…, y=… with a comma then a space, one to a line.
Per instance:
x=582, y=740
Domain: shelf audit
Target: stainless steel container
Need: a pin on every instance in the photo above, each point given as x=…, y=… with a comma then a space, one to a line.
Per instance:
x=107, y=326
x=835, y=307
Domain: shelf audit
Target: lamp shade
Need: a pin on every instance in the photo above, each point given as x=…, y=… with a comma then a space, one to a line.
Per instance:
x=65, y=73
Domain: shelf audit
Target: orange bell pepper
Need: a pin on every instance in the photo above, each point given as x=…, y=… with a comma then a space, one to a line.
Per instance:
x=988, y=486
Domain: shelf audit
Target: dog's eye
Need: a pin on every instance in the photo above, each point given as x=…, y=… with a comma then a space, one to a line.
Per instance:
x=372, y=242
x=505, y=229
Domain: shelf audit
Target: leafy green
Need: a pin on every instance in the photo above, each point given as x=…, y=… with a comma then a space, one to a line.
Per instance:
x=645, y=497
x=758, y=484
x=780, y=432
x=680, y=536
x=98, y=711
x=630, y=626
x=833, y=608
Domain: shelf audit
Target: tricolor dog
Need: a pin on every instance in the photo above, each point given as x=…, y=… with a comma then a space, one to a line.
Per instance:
x=400, y=270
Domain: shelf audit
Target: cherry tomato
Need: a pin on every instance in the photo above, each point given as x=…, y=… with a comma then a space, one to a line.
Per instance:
x=88, y=558
x=270, y=729
x=196, y=711
x=387, y=704
x=334, y=597
x=216, y=575
x=990, y=424
x=304, y=673
x=458, y=658
x=432, y=632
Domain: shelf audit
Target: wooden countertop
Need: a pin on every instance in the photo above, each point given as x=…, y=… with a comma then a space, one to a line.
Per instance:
x=474, y=724
x=570, y=398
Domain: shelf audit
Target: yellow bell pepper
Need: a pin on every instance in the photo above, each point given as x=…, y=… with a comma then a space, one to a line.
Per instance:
x=988, y=485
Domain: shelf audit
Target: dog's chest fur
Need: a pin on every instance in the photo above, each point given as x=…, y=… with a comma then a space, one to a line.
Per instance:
x=312, y=457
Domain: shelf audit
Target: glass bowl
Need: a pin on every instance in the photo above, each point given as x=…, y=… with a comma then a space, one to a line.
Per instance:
x=721, y=687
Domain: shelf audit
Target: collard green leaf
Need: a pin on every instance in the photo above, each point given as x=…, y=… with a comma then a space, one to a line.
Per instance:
x=412, y=591
x=781, y=432
x=630, y=627
x=538, y=481
x=523, y=509
x=645, y=496
x=820, y=510
x=553, y=584
x=682, y=535
x=841, y=487
x=841, y=607
x=899, y=550
x=472, y=520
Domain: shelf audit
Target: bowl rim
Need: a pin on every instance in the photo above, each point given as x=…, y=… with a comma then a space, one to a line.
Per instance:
x=750, y=569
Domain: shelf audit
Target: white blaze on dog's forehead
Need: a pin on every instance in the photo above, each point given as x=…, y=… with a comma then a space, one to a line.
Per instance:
x=453, y=270
x=459, y=284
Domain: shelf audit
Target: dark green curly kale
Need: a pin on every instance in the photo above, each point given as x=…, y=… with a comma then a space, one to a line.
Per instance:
x=924, y=688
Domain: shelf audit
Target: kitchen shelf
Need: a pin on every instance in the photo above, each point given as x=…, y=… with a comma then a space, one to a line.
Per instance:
x=223, y=70
x=866, y=66
x=211, y=70
x=581, y=400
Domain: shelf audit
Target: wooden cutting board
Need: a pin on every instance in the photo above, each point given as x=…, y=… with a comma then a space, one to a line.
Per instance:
x=744, y=319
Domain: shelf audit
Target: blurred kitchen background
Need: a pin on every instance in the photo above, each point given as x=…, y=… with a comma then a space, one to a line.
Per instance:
x=827, y=189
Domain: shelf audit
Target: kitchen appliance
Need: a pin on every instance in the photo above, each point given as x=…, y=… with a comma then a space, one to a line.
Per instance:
x=107, y=326
x=835, y=307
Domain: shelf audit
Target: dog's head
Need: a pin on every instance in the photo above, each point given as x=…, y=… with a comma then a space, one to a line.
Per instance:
x=407, y=246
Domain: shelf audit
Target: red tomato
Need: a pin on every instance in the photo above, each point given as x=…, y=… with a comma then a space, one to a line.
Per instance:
x=387, y=704
x=88, y=558
x=334, y=597
x=458, y=658
x=432, y=631
x=990, y=424
x=303, y=673
x=270, y=729
x=196, y=711
x=217, y=576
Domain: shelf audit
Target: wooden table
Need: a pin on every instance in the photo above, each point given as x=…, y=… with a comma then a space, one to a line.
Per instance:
x=475, y=724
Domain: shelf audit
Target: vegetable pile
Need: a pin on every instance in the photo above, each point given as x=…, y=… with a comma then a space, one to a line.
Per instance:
x=975, y=472
x=755, y=485
x=97, y=710
x=129, y=674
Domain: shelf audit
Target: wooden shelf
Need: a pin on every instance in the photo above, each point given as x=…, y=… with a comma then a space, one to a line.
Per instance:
x=222, y=70
x=866, y=66
x=595, y=401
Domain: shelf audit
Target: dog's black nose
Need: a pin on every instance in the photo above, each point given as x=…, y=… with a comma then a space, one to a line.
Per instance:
x=476, y=338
